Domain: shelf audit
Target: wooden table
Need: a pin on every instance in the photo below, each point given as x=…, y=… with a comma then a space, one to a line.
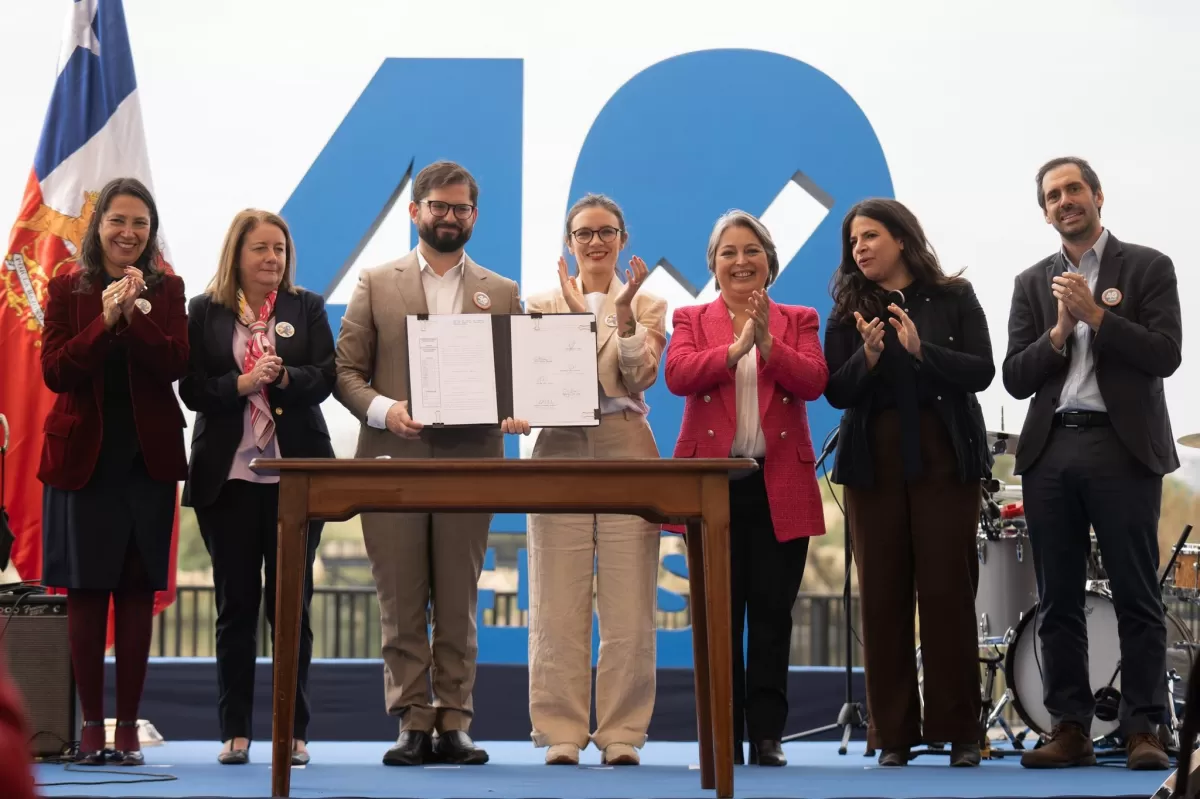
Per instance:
x=684, y=490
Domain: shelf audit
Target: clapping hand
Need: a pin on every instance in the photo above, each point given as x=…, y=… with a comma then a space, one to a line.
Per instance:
x=111, y=301
x=135, y=284
x=906, y=331
x=1071, y=290
x=634, y=276
x=872, y=336
x=742, y=345
x=570, y=288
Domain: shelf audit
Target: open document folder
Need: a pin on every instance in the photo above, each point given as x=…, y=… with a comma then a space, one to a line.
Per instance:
x=477, y=369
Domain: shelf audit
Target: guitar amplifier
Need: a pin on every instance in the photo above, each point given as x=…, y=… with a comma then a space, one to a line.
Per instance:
x=33, y=632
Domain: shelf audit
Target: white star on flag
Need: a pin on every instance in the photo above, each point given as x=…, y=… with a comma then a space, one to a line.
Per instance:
x=78, y=32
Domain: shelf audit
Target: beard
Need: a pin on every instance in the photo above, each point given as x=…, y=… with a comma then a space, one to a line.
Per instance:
x=444, y=236
x=1080, y=230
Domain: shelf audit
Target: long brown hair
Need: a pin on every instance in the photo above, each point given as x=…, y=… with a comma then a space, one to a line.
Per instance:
x=91, y=251
x=853, y=291
x=225, y=283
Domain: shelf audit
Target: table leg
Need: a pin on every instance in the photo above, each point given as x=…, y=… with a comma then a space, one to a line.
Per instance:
x=697, y=606
x=289, y=600
x=715, y=503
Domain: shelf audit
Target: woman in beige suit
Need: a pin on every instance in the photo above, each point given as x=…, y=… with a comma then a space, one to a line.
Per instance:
x=565, y=552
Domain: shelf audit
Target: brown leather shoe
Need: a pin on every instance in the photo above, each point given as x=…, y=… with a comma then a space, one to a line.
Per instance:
x=1068, y=746
x=1144, y=752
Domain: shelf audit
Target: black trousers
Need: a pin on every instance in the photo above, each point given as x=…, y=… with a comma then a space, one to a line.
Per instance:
x=766, y=575
x=1085, y=478
x=240, y=533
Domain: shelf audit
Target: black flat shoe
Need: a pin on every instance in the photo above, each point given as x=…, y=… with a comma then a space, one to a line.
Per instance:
x=767, y=753
x=412, y=748
x=894, y=757
x=98, y=757
x=234, y=757
x=964, y=755
x=127, y=757
x=132, y=757
x=457, y=747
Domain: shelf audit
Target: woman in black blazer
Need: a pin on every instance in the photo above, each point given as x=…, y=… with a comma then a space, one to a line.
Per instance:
x=907, y=348
x=261, y=364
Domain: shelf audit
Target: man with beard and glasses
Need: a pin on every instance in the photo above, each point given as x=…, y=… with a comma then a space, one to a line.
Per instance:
x=422, y=560
x=1093, y=331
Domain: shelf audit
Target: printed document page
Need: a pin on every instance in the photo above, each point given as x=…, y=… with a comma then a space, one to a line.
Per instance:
x=555, y=383
x=452, y=371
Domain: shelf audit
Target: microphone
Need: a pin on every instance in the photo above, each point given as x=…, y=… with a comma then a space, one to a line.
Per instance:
x=830, y=447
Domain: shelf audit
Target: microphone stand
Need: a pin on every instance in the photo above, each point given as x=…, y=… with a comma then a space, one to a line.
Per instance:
x=853, y=714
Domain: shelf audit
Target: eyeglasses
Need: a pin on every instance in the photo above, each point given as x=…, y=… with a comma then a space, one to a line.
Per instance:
x=583, y=235
x=439, y=208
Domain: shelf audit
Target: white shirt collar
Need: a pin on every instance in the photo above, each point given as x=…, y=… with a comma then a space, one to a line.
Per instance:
x=1097, y=248
x=426, y=267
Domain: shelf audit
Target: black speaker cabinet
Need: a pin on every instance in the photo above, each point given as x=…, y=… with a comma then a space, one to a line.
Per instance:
x=33, y=632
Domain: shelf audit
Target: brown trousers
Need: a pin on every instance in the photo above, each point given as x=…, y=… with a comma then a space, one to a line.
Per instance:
x=917, y=538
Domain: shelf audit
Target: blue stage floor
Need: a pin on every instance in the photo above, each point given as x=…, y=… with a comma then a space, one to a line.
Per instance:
x=668, y=771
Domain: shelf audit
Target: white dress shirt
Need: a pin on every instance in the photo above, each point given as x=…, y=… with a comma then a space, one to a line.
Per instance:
x=748, y=439
x=443, y=295
x=1080, y=391
x=630, y=351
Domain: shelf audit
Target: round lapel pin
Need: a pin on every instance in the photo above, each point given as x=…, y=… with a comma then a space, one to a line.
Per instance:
x=482, y=300
x=142, y=305
x=284, y=329
x=1111, y=297
x=611, y=320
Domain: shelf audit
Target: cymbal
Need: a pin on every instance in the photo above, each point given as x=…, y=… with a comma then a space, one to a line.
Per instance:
x=1001, y=443
x=1191, y=440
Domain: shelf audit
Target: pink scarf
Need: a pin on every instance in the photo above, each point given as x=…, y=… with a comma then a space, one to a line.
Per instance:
x=256, y=347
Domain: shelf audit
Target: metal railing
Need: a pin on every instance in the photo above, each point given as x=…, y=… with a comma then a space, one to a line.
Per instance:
x=345, y=622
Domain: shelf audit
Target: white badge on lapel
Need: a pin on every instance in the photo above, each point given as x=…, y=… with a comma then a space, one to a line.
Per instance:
x=1111, y=297
x=482, y=300
x=142, y=305
x=284, y=329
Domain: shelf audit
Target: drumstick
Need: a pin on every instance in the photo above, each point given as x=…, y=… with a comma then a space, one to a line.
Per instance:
x=1162, y=581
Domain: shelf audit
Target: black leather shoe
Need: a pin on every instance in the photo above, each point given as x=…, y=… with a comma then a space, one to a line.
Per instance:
x=412, y=748
x=457, y=747
x=767, y=753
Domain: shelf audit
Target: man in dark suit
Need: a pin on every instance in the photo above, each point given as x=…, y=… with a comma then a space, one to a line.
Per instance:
x=1093, y=331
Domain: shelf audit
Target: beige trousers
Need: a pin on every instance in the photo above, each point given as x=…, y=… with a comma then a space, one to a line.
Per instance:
x=566, y=553
x=428, y=561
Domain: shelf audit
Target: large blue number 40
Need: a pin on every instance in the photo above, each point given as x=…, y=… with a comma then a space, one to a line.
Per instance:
x=678, y=144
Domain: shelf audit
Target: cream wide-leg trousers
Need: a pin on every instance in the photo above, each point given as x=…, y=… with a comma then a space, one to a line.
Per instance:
x=566, y=554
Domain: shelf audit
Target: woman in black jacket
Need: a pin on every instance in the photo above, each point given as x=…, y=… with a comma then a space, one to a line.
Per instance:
x=261, y=364
x=908, y=348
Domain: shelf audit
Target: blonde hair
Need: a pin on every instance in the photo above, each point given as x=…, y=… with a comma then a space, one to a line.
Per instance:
x=225, y=284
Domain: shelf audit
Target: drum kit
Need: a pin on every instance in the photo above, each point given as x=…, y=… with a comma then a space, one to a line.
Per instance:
x=1006, y=612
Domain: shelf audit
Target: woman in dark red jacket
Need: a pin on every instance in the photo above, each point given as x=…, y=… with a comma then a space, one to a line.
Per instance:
x=115, y=339
x=747, y=366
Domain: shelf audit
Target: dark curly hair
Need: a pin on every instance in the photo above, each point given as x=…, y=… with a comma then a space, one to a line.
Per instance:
x=91, y=259
x=853, y=291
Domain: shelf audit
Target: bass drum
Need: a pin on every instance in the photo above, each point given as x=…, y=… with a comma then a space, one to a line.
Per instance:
x=1024, y=663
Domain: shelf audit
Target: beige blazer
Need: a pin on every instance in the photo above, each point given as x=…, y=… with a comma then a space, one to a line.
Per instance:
x=372, y=354
x=617, y=379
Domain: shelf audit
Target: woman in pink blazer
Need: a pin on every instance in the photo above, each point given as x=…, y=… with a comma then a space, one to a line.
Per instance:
x=747, y=365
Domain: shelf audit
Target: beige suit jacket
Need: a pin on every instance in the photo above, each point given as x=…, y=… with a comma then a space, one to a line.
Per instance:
x=372, y=355
x=616, y=378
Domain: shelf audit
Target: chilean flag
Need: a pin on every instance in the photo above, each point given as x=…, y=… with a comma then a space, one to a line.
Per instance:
x=92, y=133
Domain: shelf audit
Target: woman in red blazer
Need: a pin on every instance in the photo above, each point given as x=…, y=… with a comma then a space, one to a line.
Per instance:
x=747, y=366
x=115, y=339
